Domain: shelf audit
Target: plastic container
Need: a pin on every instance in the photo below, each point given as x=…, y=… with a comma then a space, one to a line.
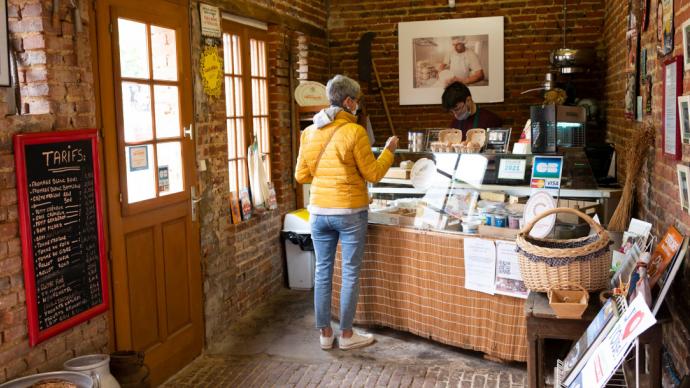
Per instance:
x=299, y=250
x=488, y=218
x=514, y=220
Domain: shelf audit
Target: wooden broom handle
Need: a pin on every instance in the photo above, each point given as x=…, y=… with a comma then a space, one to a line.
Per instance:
x=383, y=97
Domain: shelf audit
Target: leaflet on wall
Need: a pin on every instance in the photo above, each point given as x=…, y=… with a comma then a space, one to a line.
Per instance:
x=508, y=277
x=480, y=265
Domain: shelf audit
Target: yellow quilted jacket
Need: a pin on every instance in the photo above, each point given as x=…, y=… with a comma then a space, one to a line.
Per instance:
x=346, y=164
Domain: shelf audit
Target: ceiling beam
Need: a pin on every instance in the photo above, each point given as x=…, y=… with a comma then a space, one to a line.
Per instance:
x=249, y=9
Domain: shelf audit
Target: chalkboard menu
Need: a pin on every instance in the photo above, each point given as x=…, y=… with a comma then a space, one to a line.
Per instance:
x=61, y=230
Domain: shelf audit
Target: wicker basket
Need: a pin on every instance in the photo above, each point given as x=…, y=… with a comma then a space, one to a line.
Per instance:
x=545, y=262
x=568, y=304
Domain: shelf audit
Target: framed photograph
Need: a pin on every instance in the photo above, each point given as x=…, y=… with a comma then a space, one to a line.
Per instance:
x=684, y=115
x=432, y=54
x=673, y=87
x=4, y=46
x=685, y=31
x=245, y=204
x=667, y=44
x=497, y=139
x=631, y=39
x=659, y=26
x=683, y=172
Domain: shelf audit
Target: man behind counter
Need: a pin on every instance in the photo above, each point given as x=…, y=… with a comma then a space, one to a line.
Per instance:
x=457, y=100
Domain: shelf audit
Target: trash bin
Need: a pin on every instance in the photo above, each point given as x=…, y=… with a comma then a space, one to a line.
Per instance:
x=299, y=250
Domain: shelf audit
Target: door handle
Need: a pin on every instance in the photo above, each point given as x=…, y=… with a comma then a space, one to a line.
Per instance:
x=194, y=201
x=189, y=131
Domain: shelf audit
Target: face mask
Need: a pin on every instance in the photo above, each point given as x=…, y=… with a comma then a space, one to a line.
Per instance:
x=462, y=116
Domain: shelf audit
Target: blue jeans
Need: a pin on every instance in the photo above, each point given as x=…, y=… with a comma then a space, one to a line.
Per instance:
x=325, y=232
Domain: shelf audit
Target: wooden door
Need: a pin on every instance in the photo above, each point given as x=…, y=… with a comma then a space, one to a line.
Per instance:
x=146, y=103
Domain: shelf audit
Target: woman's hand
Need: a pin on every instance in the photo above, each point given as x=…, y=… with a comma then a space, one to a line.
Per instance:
x=392, y=143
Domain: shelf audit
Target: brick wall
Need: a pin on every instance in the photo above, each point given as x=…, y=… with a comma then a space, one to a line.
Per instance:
x=532, y=30
x=657, y=190
x=57, y=90
x=243, y=264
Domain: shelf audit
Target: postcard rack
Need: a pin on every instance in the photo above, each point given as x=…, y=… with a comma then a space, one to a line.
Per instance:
x=618, y=378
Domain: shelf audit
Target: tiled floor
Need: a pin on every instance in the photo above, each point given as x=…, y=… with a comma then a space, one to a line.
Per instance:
x=277, y=345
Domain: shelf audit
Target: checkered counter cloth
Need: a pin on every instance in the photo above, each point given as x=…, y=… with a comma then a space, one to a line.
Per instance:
x=413, y=280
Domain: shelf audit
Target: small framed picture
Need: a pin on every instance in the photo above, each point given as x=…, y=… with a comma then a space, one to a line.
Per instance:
x=235, y=208
x=684, y=116
x=498, y=139
x=683, y=191
x=685, y=30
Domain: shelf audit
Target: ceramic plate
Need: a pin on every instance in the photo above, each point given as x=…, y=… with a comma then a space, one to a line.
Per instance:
x=538, y=203
x=423, y=173
x=310, y=93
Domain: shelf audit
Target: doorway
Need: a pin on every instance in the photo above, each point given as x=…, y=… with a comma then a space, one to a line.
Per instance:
x=144, y=75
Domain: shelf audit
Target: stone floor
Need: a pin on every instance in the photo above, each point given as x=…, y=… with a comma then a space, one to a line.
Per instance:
x=277, y=345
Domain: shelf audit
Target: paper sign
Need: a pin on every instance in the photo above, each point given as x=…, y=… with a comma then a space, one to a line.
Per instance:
x=512, y=169
x=163, y=179
x=508, y=277
x=138, y=158
x=546, y=172
x=210, y=20
x=480, y=265
x=635, y=320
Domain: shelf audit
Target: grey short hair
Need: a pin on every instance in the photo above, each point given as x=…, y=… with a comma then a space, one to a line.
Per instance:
x=341, y=87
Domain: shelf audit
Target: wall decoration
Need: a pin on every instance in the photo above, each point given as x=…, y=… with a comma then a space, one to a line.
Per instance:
x=644, y=14
x=4, y=46
x=631, y=63
x=235, y=208
x=630, y=96
x=643, y=63
x=659, y=26
x=211, y=71
x=685, y=31
x=435, y=53
x=683, y=173
x=647, y=95
x=673, y=87
x=668, y=32
x=684, y=114
x=209, y=16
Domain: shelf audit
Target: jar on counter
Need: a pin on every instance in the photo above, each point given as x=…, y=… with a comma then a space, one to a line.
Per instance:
x=500, y=220
x=489, y=218
x=514, y=220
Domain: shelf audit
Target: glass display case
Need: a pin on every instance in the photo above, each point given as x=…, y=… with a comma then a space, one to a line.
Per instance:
x=463, y=192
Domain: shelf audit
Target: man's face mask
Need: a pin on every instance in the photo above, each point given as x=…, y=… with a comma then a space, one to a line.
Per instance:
x=461, y=111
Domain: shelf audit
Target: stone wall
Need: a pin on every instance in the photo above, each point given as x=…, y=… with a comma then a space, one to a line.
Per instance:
x=657, y=189
x=532, y=29
x=243, y=264
x=57, y=90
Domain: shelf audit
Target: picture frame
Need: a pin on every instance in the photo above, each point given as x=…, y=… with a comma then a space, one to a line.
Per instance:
x=685, y=31
x=683, y=175
x=5, y=79
x=668, y=31
x=235, y=210
x=498, y=139
x=428, y=52
x=673, y=87
x=684, y=118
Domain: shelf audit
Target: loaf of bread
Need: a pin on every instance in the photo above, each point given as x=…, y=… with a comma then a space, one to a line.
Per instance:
x=54, y=383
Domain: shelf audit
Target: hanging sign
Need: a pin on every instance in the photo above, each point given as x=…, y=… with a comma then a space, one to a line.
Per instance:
x=210, y=20
x=63, y=250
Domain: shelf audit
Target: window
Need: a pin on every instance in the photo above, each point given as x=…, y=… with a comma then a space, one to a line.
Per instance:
x=246, y=98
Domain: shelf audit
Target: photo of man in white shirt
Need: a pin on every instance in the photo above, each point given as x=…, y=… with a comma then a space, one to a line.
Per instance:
x=462, y=63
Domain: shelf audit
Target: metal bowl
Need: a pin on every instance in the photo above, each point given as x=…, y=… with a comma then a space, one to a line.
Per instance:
x=572, y=58
x=81, y=380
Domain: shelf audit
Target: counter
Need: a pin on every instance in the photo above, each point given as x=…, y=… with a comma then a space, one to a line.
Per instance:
x=413, y=280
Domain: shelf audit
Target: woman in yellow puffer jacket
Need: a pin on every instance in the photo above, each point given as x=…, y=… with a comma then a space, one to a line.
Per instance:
x=336, y=158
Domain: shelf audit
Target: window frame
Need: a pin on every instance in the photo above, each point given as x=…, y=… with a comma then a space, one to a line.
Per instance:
x=246, y=34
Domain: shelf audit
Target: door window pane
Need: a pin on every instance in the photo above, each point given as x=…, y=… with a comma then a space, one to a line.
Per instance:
x=164, y=53
x=140, y=173
x=167, y=111
x=170, y=164
x=134, y=57
x=136, y=109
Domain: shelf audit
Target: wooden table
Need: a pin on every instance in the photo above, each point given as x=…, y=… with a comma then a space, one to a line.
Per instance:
x=542, y=324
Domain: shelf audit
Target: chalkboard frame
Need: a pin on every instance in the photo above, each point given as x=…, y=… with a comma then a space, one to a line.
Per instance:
x=21, y=141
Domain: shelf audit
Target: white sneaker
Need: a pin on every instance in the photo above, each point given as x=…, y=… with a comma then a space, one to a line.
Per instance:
x=357, y=340
x=327, y=342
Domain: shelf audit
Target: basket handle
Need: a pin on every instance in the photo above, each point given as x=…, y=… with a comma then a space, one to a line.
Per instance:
x=549, y=292
x=600, y=230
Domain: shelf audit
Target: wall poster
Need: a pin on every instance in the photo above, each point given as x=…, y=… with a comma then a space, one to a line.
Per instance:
x=673, y=87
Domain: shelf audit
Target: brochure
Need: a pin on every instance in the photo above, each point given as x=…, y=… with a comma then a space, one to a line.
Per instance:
x=663, y=254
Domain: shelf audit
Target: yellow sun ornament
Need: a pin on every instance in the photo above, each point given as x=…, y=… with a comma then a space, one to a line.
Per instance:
x=212, y=71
